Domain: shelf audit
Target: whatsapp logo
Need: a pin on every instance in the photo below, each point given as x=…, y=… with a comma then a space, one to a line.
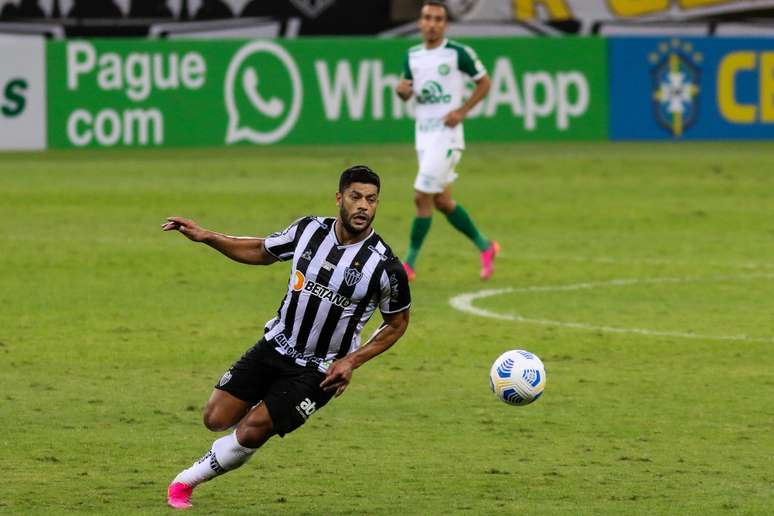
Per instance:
x=263, y=93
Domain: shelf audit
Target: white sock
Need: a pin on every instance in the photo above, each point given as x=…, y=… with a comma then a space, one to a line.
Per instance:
x=226, y=454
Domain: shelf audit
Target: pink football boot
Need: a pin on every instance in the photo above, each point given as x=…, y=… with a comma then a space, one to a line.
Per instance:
x=487, y=260
x=409, y=272
x=179, y=495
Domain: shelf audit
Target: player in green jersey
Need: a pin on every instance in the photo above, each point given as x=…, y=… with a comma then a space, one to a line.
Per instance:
x=434, y=73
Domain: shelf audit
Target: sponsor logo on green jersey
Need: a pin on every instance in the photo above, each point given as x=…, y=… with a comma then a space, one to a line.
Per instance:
x=432, y=93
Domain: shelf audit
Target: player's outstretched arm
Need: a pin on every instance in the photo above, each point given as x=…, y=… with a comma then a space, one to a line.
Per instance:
x=247, y=250
x=340, y=372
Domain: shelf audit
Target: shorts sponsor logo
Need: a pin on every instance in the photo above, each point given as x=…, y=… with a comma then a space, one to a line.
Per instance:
x=676, y=78
x=306, y=408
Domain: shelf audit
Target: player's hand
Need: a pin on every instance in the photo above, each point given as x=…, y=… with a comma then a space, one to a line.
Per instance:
x=187, y=227
x=338, y=377
x=453, y=118
x=404, y=89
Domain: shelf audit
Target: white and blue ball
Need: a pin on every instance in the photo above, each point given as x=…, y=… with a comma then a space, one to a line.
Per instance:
x=517, y=377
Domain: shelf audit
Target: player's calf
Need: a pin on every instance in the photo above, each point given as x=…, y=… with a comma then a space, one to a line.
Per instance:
x=256, y=428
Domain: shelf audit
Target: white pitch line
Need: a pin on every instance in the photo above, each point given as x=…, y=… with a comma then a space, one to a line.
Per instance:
x=645, y=261
x=464, y=303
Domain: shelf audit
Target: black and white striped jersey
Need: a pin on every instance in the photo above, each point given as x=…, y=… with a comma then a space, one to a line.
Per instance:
x=333, y=290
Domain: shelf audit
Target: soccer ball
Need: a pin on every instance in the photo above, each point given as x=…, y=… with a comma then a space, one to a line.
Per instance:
x=517, y=377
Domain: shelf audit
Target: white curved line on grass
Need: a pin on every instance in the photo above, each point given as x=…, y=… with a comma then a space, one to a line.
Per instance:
x=464, y=303
x=646, y=261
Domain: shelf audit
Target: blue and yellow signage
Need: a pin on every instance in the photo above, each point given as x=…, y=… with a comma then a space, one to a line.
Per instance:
x=691, y=88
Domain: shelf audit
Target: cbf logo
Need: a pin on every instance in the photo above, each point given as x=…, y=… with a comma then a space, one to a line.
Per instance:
x=432, y=93
x=263, y=93
x=676, y=77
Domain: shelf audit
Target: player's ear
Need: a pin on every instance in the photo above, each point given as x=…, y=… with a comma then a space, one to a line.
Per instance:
x=338, y=199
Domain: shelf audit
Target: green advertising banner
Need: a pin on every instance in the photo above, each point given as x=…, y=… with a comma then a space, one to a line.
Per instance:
x=118, y=93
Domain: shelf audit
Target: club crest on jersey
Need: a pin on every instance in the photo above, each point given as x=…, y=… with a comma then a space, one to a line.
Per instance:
x=352, y=276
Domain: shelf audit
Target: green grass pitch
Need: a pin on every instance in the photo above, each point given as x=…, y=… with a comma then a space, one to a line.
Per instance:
x=660, y=393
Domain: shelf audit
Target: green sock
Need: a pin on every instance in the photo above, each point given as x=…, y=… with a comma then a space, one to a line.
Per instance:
x=419, y=229
x=462, y=222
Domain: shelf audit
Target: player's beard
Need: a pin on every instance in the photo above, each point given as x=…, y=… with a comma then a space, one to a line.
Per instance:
x=345, y=217
x=432, y=37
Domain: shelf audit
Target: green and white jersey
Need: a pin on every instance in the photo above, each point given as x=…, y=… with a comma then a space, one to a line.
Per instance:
x=438, y=82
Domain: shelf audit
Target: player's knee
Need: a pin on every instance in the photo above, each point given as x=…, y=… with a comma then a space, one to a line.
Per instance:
x=424, y=203
x=214, y=420
x=443, y=204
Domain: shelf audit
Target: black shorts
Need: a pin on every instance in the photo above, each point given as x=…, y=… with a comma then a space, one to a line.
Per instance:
x=291, y=392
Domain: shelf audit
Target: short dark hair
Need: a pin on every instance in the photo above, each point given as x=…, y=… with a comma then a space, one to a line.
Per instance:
x=437, y=3
x=358, y=174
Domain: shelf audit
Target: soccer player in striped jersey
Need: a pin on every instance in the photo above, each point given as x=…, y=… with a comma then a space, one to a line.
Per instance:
x=434, y=74
x=341, y=272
